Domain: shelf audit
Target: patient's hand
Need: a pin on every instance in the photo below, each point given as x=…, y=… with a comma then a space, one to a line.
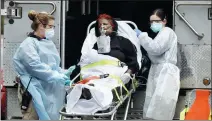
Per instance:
x=129, y=71
x=125, y=78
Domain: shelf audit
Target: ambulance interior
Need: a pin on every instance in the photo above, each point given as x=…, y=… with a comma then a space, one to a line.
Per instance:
x=81, y=13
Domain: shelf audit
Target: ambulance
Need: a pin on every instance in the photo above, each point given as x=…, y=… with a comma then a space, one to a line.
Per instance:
x=191, y=20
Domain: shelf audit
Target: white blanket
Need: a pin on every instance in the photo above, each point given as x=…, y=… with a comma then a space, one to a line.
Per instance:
x=101, y=92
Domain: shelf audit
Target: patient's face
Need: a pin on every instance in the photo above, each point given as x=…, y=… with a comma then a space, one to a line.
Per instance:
x=106, y=24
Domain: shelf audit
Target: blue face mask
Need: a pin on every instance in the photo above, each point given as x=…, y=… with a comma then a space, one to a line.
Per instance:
x=49, y=33
x=156, y=27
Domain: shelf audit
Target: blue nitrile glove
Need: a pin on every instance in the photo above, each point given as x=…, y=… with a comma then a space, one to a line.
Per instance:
x=70, y=70
x=68, y=82
x=138, y=32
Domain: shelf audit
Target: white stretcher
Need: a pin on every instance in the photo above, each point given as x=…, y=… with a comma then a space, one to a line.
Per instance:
x=121, y=95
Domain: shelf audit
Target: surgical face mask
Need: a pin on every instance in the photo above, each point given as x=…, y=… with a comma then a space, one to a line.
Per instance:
x=103, y=43
x=156, y=27
x=49, y=33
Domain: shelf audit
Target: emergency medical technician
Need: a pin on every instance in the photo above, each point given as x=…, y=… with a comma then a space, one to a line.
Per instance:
x=164, y=77
x=41, y=90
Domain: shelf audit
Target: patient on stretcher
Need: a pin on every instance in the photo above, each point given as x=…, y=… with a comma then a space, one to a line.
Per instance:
x=108, y=61
x=120, y=47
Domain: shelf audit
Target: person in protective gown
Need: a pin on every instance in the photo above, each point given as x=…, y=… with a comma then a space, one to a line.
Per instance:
x=41, y=90
x=164, y=77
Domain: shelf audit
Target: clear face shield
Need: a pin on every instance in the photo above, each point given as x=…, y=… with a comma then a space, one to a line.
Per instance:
x=103, y=41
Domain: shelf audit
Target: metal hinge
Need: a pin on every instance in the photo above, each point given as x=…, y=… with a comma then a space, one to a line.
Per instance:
x=12, y=12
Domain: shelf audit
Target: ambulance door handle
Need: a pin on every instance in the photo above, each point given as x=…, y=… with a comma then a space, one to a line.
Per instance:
x=200, y=36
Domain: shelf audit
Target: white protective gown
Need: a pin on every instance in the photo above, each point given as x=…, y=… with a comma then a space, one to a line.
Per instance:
x=164, y=77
